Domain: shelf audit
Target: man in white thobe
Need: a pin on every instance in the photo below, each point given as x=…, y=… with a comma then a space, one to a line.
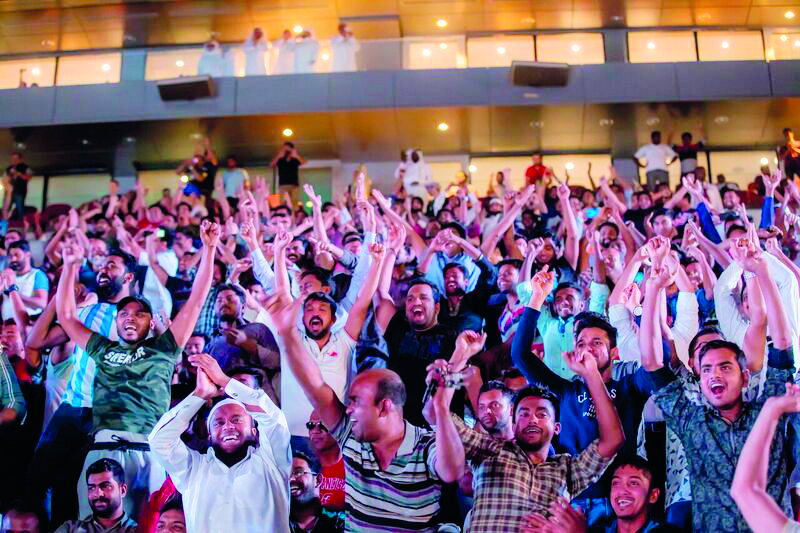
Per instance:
x=284, y=50
x=344, y=47
x=241, y=484
x=254, y=48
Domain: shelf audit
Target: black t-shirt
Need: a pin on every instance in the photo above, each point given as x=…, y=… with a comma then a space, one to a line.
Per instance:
x=637, y=216
x=687, y=151
x=19, y=184
x=288, y=171
x=410, y=352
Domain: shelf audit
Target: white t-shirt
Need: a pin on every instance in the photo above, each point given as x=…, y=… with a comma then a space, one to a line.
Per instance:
x=335, y=361
x=656, y=155
x=35, y=279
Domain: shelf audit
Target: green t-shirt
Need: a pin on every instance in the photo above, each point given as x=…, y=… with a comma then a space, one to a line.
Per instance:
x=132, y=382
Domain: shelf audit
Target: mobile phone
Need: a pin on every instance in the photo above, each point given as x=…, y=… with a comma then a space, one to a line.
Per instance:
x=592, y=212
x=160, y=233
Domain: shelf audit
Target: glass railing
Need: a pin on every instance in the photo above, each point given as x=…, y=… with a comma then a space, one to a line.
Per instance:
x=410, y=53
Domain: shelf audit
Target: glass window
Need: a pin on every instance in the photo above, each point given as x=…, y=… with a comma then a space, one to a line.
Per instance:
x=434, y=54
x=155, y=181
x=661, y=46
x=165, y=64
x=741, y=167
x=571, y=48
x=35, y=190
x=26, y=72
x=730, y=45
x=784, y=45
x=89, y=69
x=76, y=190
x=499, y=51
x=483, y=169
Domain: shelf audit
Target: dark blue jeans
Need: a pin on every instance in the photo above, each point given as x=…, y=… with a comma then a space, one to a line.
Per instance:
x=19, y=202
x=58, y=461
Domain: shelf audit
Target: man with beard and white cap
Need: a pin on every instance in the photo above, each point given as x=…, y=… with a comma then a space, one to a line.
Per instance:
x=105, y=480
x=31, y=283
x=254, y=49
x=239, y=485
x=67, y=433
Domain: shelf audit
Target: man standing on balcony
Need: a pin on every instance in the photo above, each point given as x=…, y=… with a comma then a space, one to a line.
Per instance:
x=344, y=47
x=657, y=157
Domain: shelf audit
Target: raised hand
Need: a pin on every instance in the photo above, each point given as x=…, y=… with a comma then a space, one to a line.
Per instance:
x=315, y=199
x=209, y=234
x=584, y=365
x=211, y=367
x=383, y=202
x=396, y=236
x=694, y=188
x=563, y=192
x=72, y=254
x=772, y=181
x=248, y=233
x=282, y=240
x=377, y=252
x=521, y=199
x=773, y=246
x=789, y=402
x=541, y=287
x=283, y=311
x=468, y=343
x=205, y=388
x=535, y=246
x=663, y=275
x=747, y=254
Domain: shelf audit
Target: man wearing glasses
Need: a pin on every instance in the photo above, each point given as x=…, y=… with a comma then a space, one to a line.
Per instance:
x=331, y=473
x=307, y=512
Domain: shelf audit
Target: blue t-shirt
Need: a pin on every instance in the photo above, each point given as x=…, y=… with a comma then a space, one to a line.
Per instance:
x=629, y=388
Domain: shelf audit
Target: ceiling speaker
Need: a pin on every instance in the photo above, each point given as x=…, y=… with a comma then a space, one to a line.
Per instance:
x=531, y=74
x=187, y=88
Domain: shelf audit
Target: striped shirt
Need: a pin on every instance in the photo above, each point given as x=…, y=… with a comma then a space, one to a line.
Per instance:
x=404, y=497
x=508, y=487
x=10, y=393
x=98, y=318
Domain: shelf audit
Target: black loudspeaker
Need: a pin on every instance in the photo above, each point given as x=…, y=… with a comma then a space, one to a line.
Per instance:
x=189, y=88
x=530, y=74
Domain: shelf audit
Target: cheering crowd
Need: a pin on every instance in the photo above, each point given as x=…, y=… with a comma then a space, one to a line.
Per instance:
x=550, y=359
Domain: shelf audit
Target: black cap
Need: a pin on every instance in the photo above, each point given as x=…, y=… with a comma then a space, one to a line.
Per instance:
x=141, y=300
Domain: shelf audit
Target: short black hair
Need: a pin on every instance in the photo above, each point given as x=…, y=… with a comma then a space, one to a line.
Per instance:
x=352, y=236
x=455, y=226
x=205, y=337
x=686, y=134
x=459, y=266
x=497, y=385
x=732, y=228
x=231, y=287
x=22, y=245
x=516, y=263
x=705, y=330
x=128, y=260
x=609, y=225
x=589, y=319
x=173, y=504
x=390, y=387
x=536, y=391
x=511, y=373
x=422, y=281
x=663, y=212
x=568, y=285
x=639, y=464
x=275, y=211
x=248, y=370
x=719, y=344
x=321, y=297
x=106, y=465
x=639, y=194
x=313, y=464
x=322, y=275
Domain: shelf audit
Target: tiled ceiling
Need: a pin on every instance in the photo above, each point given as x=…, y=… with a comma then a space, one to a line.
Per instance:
x=32, y=26
x=381, y=134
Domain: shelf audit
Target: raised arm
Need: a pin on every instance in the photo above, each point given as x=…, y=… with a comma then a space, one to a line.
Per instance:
x=185, y=321
x=609, y=196
x=66, y=309
x=450, y=455
x=305, y=369
x=417, y=242
x=282, y=281
x=571, y=248
x=512, y=209
x=358, y=313
x=749, y=487
x=395, y=241
x=608, y=424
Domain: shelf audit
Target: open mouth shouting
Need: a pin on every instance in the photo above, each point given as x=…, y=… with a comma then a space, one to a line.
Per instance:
x=623, y=503
x=716, y=387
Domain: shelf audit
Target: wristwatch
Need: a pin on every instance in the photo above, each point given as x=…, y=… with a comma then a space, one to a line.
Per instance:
x=12, y=288
x=637, y=311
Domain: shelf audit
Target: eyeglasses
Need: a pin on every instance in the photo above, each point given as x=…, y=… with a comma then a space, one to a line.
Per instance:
x=311, y=425
x=299, y=473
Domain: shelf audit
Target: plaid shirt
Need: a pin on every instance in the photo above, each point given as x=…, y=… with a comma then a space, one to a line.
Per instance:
x=208, y=321
x=508, y=487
